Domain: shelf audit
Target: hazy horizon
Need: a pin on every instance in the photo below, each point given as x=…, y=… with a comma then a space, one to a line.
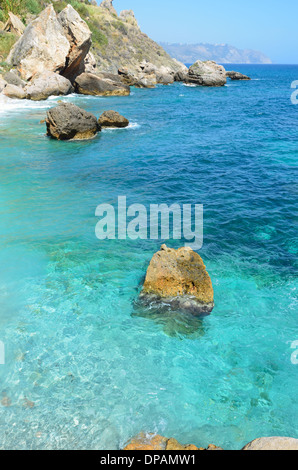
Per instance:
x=267, y=26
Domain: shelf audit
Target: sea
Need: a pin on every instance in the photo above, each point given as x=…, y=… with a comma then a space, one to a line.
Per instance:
x=87, y=367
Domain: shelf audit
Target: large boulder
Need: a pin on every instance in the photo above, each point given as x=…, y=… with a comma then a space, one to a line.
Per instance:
x=91, y=84
x=48, y=84
x=137, y=79
x=13, y=79
x=112, y=119
x=79, y=37
x=67, y=121
x=178, y=278
x=207, y=73
x=14, y=25
x=43, y=46
x=273, y=443
x=13, y=91
x=236, y=75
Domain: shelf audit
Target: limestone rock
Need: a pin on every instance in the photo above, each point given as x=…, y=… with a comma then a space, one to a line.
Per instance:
x=178, y=278
x=273, y=443
x=14, y=25
x=108, y=4
x=112, y=119
x=207, y=73
x=129, y=17
x=13, y=91
x=137, y=79
x=3, y=84
x=43, y=46
x=90, y=63
x=47, y=84
x=67, y=121
x=79, y=37
x=237, y=76
x=13, y=79
x=90, y=84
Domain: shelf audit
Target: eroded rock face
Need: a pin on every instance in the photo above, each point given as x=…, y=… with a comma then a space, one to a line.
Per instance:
x=207, y=73
x=129, y=17
x=148, y=441
x=237, y=76
x=112, y=119
x=108, y=4
x=13, y=79
x=43, y=46
x=100, y=85
x=67, y=121
x=273, y=443
x=48, y=84
x=178, y=278
x=79, y=37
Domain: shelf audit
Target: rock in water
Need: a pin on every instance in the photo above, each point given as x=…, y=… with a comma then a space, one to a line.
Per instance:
x=43, y=46
x=179, y=278
x=90, y=84
x=112, y=119
x=237, y=76
x=273, y=443
x=13, y=91
x=67, y=121
x=149, y=441
x=207, y=73
x=79, y=36
x=47, y=84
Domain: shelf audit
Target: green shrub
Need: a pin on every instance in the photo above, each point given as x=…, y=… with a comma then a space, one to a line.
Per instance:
x=33, y=6
x=7, y=40
x=98, y=38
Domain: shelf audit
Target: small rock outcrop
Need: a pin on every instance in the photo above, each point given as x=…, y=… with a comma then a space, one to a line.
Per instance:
x=178, y=278
x=13, y=91
x=108, y=4
x=43, y=46
x=67, y=121
x=149, y=441
x=14, y=25
x=47, y=84
x=112, y=119
x=273, y=443
x=237, y=76
x=207, y=73
x=129, y=17
x=100, y=85
x=79, y=37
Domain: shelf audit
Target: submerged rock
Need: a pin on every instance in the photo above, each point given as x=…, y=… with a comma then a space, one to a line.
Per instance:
x=207, y=73
x=13, y=91
x=237, y=76
x=273, y=443
x=91, y=84
x=47, y=84
x=178, y=278
x=150, y=441
x=67, y=121
x=112, y=119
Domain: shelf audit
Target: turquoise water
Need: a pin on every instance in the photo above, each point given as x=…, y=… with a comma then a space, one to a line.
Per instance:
x=99, y=369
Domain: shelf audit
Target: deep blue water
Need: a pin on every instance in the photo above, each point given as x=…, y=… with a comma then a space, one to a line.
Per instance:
x=98, y=369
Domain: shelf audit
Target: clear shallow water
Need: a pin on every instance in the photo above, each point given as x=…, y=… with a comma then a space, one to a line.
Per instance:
x=98, y=369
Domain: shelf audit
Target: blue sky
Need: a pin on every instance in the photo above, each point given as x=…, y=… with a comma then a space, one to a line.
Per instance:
x=270, y=26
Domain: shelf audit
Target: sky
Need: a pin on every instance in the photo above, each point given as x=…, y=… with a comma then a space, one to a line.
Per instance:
x=268, y=26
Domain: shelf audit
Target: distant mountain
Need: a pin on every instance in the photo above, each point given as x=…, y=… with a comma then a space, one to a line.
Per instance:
x=221, y=53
